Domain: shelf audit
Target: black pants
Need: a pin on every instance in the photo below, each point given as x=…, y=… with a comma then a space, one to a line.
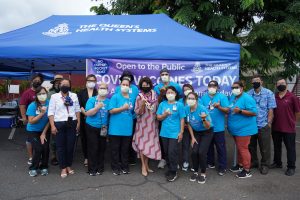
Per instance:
x=218, y=140
x=40, y=151
x=186, y=140
x=289, y=140
x=163, y=156
x=65, y=142
x=264, y=141
x=199, y=151
x=132, y=154
x=53, y=144
x=83, y=137
x=96, y=149
x=171, y=151
x=119, y=146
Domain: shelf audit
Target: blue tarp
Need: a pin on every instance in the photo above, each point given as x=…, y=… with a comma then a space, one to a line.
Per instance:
x=63, y=42
x=23, y=75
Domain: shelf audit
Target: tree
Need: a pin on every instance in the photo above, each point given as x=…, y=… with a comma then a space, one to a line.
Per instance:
x=268, y=31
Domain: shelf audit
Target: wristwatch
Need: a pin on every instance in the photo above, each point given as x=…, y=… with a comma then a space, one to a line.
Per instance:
x=241, y=111
x=203, y=120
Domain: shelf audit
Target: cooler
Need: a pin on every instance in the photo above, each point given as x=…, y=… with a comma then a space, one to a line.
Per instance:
x=6, y=121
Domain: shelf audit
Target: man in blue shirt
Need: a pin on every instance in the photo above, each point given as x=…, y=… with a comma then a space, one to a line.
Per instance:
x=265, y=102
x=217, y=105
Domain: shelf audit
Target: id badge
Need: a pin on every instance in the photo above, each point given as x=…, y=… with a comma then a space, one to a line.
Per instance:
x=174, y=108
x=37, y=112
x=130, y=90
x=103, y=131
x=211, y=107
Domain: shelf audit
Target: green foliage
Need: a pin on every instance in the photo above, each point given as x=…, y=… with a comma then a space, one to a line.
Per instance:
x=268, y=31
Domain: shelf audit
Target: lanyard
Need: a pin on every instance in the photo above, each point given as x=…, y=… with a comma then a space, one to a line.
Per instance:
x=63, y=99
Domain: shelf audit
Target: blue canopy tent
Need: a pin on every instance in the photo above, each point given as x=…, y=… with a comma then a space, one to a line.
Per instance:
x=23, y=75
x=62, y=43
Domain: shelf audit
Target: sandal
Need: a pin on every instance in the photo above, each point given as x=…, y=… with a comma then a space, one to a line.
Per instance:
x=63, y=175
x=71, y=172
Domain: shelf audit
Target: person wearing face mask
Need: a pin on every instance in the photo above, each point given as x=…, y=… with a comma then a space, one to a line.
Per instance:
x=83, y=96
x=186, y=88
x=265, y=102
x=133, y=93
x=53, y=90
x=37, y=127
x=217, y=105
x=146, y=139
x=284, y=126
x=121, y=109
x=242, y=125
x=171, y=113
x=96, y=110
x=27, y=98
x=64, y=119
x=160, y=90
x=200, y=127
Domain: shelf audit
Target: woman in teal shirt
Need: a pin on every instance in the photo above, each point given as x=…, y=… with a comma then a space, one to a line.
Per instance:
x=200, y=128
x=241, y=125
x=37, y=132
x=96, y=110
x=171, y=113
x=121, y=108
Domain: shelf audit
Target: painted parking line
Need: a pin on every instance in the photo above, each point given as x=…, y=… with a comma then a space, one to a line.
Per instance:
x=12, y=133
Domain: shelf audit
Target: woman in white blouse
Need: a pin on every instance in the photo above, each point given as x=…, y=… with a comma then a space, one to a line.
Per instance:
x=64, y=118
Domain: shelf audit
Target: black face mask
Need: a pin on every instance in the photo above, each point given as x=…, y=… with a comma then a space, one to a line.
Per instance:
x=65, y=89
x=281, y=88
x=256, y=85
x=146, y=89
x=36, y=84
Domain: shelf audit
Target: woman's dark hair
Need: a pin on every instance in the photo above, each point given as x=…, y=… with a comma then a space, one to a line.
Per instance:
x=38, y=90
x=65, y=79
x=147, y=80
x=240, y=83
x=195, y=94
x=128, y=74
x=90, y=76
x=189, y=86
x=174, y=89
x=34, y=76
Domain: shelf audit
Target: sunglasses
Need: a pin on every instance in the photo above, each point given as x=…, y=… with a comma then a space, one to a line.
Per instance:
x=235, y=87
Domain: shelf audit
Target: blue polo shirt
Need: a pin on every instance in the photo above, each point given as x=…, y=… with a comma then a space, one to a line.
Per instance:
x=101, y=117
x=265, y=100
x=170, y=126
x=239, y=124
x=121, y=123
x=161, y=85
x=32, y=111
x=194, y=119
x=218, y=117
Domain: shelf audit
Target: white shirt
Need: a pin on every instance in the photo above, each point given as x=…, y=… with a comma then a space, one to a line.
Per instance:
x=58, y=109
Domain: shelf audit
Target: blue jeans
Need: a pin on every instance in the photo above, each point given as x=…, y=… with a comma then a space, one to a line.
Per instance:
x=218, y=141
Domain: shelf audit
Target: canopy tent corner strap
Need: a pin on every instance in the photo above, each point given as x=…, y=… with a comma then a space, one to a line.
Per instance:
x=62, y=43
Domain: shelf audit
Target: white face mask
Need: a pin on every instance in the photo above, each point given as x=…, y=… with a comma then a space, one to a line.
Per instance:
x=165, y=78
x=187, y=92
x=212, y=90
x=236, y=92
x=170, y=97
x=191, y=102
x=42, y=97
x=90, y=85
x=102, y=92
x=124, y=89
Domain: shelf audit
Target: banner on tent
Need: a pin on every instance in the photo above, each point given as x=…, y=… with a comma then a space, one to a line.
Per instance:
x=196, y=73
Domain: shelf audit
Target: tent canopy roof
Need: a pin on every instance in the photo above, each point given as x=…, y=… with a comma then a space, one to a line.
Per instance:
x=63, y=42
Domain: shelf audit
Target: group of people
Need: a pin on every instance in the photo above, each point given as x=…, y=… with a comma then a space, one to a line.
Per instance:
x=158, y=123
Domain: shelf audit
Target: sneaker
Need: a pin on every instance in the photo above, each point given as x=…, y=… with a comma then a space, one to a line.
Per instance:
x=172, y=177
x=201, y=179
x=222, y=172
x=192, y=170
x=244, y=174
x=194, y=177
x=44, y=172
x=100, y=172
x=211, y=166
x=54, y=161
x=116, y=172
x=29, y=162
x=125, y=171
x=185, y=166
x=32, y=173
x=92, y=173
x=290, y=172
x=264, y=170
x=162, y=163
x=275, y=165
x=236, y=168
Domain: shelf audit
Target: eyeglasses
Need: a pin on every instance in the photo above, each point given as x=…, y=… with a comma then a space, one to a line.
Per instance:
x=91, y=80
x=212, y=85
x=102, y=88
x=235, y=87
